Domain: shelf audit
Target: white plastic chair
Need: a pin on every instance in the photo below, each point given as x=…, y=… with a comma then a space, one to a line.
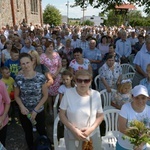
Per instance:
x=58, y=145
x=111, y=132
x=97, y=82
x=106, y=98
x=126, y=68
x=55, y=106
x=131, y=59
x=129, y=75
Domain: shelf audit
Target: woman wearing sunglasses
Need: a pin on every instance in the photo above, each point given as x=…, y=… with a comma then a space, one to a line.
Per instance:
x=81, y=113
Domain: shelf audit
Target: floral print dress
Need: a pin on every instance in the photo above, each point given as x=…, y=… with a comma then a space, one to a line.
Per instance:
x=52, y=65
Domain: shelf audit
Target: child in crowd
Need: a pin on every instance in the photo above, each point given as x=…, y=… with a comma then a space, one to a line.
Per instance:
x=39, y=49
x=6, y=52
x=123, y=94
x=146, y=82
x=67, y=79
x=13, y=63
x=65, y=64
x=9, y=82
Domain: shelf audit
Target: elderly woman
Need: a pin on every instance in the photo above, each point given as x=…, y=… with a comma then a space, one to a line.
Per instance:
x=135, y=110
x=81, y=125
x=4, y=108
x=110, y=74
x=79, y=62
x=30, y=94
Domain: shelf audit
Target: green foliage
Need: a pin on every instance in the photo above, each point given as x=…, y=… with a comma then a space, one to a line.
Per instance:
x=88, y=22
x=134, y=19
x=108, y=5
x=52, y=15
x=114, y=19
x=137, y=133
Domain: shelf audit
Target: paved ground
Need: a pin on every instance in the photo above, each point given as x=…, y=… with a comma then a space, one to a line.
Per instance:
x=15, y=135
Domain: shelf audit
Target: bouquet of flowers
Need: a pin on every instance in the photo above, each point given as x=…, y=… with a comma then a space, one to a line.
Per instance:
x=137, y=133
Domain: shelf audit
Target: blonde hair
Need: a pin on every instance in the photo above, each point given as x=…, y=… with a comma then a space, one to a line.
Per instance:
x=35, y=53
x=83, y=72
x=123, y=85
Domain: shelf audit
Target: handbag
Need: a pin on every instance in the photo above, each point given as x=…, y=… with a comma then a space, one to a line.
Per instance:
x=88, y=145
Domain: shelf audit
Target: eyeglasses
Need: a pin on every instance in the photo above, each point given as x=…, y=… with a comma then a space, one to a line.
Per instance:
x=83, y=80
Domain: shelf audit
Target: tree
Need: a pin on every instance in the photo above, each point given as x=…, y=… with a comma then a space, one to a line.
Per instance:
x=133, y=17
x=114, y=19
x=110, y=4
x=52, y=15
x=88, y=22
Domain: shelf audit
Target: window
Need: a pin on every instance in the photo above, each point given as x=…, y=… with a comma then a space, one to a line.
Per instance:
x=17, y=4
x=34, y=6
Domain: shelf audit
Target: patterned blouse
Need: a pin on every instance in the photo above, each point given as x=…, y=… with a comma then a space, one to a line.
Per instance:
x=110, y=76
x=75, y=66
x=30, y=90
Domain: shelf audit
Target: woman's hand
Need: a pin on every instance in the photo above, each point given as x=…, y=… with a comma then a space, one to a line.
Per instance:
x=79, y=134
x=33, y=115
x=24, y=110
x=140, y=147
x=108, y=89
x=87, y=131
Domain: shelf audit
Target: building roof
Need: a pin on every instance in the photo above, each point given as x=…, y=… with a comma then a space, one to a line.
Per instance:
x=126, y=6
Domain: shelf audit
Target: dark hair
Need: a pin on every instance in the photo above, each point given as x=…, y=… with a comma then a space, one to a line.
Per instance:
x=104, y=36
x=109, y=56
x=68, y=73
x=65, y=57
x=112, y=45
x=14, y=50
x=58, y=37
x=48, y=43
x=22, y=55
x=77, y=50
x=4, y=68
x=141, y=36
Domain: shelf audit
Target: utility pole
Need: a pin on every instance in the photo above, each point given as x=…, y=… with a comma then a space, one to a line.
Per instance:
x=83, y=9
x=67, y=12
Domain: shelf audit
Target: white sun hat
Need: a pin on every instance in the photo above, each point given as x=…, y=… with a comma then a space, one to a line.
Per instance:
x=140, y=90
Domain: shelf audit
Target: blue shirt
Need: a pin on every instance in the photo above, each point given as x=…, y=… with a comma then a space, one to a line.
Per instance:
x=14, y=67
x=142, y=58
x=92, y=55
x=146, y=83
x=123, y=48
x=26, y=49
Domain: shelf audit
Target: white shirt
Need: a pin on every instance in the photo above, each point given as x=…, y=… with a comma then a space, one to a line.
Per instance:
x=142, y=58
x=130, y=114
x=75, y=66
x=78, y=107
x=62, y=89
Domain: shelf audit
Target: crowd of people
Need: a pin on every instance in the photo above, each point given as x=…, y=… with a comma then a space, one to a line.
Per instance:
x=38, y=63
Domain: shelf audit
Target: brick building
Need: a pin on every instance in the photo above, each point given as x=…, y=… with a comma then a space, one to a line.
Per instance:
x=12, y=12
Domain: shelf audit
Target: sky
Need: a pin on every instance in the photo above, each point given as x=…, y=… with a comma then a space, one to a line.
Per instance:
x=73, y=12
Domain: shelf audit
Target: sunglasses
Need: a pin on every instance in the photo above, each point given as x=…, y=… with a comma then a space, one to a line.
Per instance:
x=83, y=80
